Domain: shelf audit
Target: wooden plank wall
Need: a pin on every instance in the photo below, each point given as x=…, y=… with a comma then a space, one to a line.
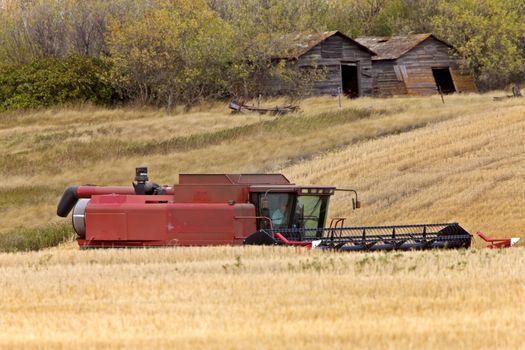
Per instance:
x=463, y=80
x=419, y=63
x=386, y=81
x=330, y=53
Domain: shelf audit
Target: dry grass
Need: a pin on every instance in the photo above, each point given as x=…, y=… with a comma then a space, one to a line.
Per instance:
x=253, y=297
x=412, y=159
x=470, y=169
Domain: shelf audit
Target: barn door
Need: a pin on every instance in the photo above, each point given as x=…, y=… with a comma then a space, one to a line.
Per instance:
x=350, y=79
x=444, y=81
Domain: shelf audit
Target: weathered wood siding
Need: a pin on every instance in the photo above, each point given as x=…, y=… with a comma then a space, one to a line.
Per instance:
x=463, y=80
x=330, y=54
x=419, y=62
x=386, y=81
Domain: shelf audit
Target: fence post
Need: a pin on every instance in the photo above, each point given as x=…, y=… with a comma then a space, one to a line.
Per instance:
x=441, y=93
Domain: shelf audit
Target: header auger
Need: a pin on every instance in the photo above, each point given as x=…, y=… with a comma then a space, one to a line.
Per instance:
x=233, y=209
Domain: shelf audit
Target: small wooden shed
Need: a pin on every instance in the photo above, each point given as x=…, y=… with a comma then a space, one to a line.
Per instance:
x=418, y=64
x=347, y=63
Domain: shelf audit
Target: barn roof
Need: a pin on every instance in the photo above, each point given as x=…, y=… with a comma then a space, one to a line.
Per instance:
x=294, y=45
x=391, y=48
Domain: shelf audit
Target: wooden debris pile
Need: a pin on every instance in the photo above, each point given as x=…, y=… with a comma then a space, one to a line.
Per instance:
x=516, y=92
x=277, y=110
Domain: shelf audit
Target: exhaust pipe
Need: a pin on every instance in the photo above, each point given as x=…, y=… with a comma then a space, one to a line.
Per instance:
x=72, y=194
x=141, y=186
x=68, y=201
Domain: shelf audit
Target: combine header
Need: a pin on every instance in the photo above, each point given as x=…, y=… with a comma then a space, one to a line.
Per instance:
x=233, y=209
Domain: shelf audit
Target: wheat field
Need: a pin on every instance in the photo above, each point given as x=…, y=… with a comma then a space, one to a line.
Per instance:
x=411, y=159
x=470, y=168
x=262, y=297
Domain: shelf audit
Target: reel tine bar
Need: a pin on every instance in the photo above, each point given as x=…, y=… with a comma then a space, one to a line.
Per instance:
x=402, y=237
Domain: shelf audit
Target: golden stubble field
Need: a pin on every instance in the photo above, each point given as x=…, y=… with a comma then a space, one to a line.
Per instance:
x=468, y=169
x=411, y=159
x=262, y=297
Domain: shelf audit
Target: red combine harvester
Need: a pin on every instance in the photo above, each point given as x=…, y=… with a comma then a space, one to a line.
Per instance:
x=233, y=209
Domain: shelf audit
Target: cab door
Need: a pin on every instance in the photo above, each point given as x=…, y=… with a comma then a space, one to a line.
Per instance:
x=278, y=207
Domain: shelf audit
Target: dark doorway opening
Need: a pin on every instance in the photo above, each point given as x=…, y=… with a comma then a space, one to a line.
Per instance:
x=444, y=80
x=350, y=80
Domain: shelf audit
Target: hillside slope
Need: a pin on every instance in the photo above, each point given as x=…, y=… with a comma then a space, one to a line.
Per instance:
x=468, y=169
x=412, y=159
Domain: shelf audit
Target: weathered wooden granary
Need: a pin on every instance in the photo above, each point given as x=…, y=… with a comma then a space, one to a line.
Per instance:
x=418, y=64
x=346, y=63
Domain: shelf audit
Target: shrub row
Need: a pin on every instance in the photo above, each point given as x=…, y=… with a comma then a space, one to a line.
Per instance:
x=49, y=82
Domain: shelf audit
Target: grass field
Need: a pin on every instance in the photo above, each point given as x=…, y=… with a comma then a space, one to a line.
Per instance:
x=411, y=159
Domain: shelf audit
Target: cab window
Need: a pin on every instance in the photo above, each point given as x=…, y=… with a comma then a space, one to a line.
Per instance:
x=280, y=207
x=312, y=211
x=277, y=207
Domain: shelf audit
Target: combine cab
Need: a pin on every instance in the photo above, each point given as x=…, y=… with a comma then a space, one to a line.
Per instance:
x=233, y=209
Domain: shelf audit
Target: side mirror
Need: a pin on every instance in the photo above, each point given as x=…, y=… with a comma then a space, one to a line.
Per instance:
x=356, y=204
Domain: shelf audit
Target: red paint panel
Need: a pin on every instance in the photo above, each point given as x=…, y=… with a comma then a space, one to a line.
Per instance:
x=147, y=222
x=156, y=220
x=106, y=226
x=229, y=179
x=244, y=227
x=210, y=193
x=202, y=224
x=88, y=191
x=116, y=199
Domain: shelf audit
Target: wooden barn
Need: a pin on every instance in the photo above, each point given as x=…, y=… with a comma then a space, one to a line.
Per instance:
x=346, y=63
x=418, y=64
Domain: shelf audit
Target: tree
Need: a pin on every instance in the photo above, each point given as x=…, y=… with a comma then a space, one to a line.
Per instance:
x=34, y=29
x=359, y=17
x=45, y=23
x=489, y=35
x=260, y=27
x=175, y=52
x=15, y=45
x=87, y=23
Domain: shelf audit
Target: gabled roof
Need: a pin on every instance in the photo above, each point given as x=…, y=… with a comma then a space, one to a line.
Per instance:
x=295, y=45
x=391, y=48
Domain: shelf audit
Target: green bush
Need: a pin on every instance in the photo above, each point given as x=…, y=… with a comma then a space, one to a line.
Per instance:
x=27, y=239
x=48, y=82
